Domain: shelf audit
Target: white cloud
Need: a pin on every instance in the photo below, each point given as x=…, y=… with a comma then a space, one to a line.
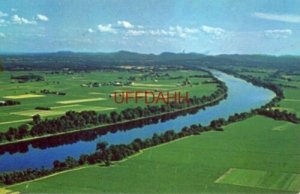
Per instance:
x=182, y=32
x=167, y=32
x=179, y=31
x=106, y=28
x=125, y=24
x=42, y=17
x=214, y=31
x=20, y=20
x=155, y=32
x=3, y=22
x=278, y=17
x=136, y=32
x=278, y=33
x=13, y=9
x=2, y=35
x=172, y=31
x=2, y=14
x=161, y=32
x=191, y=30
x=90, y=30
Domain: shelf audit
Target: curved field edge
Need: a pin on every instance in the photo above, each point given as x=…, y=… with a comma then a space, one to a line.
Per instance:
x=189, y=165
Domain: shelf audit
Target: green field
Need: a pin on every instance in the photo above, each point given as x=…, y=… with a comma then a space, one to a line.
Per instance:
x=288, y=81
x=261, y=179
x=263, y=155
x=292, y=100
x=80, y=97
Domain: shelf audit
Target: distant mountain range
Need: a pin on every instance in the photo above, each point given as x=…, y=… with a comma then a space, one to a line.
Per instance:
x=76, y=59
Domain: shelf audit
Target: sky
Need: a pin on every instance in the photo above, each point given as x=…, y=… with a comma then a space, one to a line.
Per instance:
x=151, y=26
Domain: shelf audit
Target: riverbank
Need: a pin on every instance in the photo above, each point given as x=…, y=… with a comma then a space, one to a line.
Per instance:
x=162, y=167
x=95, y=165
x=117, y=123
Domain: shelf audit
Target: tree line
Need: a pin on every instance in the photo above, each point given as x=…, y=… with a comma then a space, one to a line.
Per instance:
x=45, y=91
x=72, y=120
x=104, y=154
x=107, y=154
x=9, y=103
x=29, y=77
x=279, y=115
x=89, y=135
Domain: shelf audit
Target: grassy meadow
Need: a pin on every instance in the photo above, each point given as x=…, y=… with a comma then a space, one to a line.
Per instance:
x=246, y=157
x=288, y=81
x=79, y=97
x=291, y=89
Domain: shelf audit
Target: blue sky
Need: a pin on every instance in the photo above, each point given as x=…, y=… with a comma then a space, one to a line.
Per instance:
x=151, y=26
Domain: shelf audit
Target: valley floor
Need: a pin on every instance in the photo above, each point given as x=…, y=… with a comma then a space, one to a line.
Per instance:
x=246, y=157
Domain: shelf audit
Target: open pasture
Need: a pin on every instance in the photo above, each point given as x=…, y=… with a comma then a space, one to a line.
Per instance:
x=292, y=100
x=61, y=111
x=80, y=100
x=263, y=160
x=24, y=96
x=279, y=181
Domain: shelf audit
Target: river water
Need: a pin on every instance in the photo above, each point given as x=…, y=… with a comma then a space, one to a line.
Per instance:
x=242, y=97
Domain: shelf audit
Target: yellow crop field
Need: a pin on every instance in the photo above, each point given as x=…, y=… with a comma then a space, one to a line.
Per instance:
x=23, y=96
x=80, y=100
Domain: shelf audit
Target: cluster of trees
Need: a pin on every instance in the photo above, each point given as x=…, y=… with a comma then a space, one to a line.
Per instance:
x=45, y=91
x=24, y=175
x=29, y=77
x=42, y=108
x=279, y=115
x=15, y=133
x=9, y=103
x=240, y=116
x=78, y=120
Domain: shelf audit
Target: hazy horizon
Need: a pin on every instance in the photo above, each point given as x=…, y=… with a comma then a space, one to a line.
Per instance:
x=136, y=52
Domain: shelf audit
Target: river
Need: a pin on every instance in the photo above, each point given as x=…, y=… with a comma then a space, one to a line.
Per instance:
x=242, y=97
